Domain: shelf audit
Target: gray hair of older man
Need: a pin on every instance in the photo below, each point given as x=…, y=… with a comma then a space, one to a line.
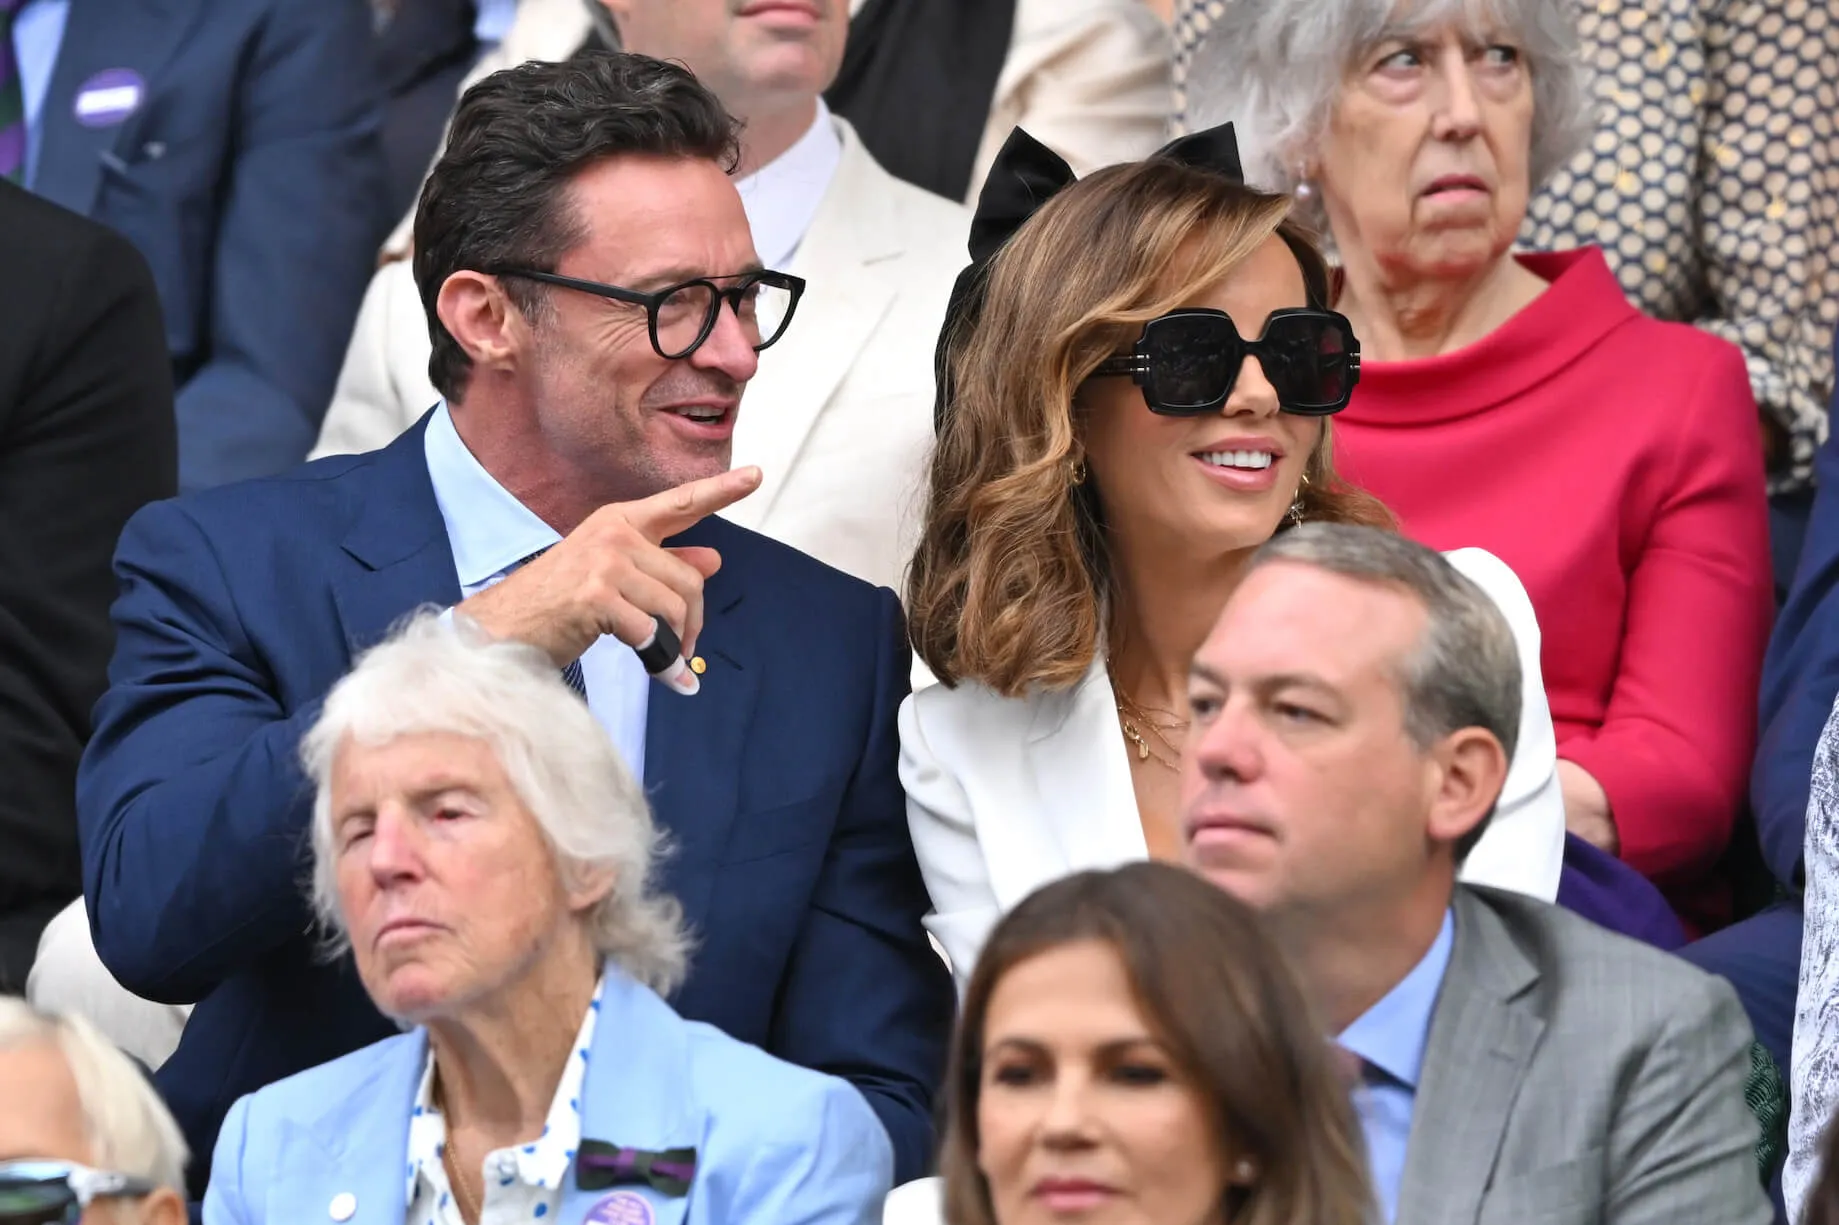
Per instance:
x=1465, y=670
x=443, y=674
x=1275, y=68
x=130, y=1131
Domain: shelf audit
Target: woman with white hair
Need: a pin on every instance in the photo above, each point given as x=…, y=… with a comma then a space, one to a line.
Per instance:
x=483, y=853
x=1518, y=401
x=1711, y=182
x=83, y=1136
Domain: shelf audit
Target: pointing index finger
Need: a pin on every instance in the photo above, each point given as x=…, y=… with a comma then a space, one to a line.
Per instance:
x=675, y=510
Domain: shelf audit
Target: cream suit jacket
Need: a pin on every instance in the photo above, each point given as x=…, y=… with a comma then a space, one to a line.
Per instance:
x=1007, y=794
x=1090, y=79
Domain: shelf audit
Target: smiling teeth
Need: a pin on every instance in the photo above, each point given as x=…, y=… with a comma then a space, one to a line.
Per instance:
x=1237, y=459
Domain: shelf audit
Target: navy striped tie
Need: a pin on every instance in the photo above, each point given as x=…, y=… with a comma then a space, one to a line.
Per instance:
x=571, y=675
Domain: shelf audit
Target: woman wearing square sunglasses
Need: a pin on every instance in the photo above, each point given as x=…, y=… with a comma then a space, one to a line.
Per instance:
x=1136, y=379
x=84, y=1138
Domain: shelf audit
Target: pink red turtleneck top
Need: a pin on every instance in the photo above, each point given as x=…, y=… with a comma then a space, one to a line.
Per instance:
x=1615, y=463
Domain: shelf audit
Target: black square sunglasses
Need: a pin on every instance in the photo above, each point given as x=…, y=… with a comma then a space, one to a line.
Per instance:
x=1187, y=361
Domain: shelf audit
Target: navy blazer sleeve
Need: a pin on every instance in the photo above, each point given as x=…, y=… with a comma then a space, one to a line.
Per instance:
x=1800, y=678
x=865, y=997
x=191, y=805
x=296, y=243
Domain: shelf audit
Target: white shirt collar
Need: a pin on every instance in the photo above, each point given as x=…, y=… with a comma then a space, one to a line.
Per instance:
x=539, y=1168
x=489, y=530
x=783, y=196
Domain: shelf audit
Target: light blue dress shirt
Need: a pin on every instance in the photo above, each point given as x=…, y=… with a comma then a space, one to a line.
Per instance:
x=492, y=20
x=490, y=532
x=38, y=33
x=1390, y=1036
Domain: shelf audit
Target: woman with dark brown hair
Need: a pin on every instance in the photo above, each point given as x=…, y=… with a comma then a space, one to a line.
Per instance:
x=1134, y=1046
x=1137, y=376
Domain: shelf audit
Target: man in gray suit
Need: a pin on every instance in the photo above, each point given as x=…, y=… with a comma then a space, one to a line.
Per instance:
x=1354, y=711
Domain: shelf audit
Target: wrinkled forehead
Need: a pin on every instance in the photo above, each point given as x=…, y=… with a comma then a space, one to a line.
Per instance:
x=44, y=1115
x=655, y=221
x=1475, y=19
x=1290, y=618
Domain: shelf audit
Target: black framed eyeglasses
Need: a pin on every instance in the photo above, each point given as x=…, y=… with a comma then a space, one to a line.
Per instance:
x=1188, y=360
x=56, y=1192
x=681, y=317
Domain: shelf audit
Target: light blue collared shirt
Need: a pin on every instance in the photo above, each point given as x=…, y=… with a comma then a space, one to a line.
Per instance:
x=492, y=20
x=38, y=34
x=490, y=533
x=1390, y=1036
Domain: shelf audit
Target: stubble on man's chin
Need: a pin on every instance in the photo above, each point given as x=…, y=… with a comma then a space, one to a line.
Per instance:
x=645, y=473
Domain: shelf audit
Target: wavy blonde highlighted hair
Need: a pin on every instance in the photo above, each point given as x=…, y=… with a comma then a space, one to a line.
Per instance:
x=1011, y=575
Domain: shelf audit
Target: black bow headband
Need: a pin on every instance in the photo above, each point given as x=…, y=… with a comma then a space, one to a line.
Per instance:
x=1025, y=176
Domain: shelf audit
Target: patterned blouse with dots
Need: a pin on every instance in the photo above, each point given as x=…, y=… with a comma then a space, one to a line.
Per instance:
x=1712, y=184
x=522, y=1183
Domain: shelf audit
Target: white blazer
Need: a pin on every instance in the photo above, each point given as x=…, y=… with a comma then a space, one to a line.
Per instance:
x=1007, y=794
x=839, y=417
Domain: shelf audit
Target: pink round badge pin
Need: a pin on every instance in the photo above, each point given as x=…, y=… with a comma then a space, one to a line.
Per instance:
x=109, y=97
x=622, y=1208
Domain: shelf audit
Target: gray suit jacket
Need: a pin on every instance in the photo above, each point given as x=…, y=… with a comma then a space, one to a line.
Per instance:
x=1574, y=1077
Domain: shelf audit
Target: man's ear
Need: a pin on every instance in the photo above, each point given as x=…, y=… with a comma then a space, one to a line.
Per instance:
x=481, y=318
x=1472, y=770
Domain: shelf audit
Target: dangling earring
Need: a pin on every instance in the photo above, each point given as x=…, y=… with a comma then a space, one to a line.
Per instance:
x=1076, y=471
x=1304, y=191
x=1296, y=505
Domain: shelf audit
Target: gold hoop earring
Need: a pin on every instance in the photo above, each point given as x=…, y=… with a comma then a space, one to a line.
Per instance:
x=1076, y=471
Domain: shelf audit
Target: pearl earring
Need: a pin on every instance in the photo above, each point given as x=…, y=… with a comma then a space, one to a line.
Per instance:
x=1304, y=192
x=1245, y=1172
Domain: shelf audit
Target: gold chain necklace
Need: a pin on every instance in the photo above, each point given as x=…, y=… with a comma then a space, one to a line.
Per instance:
x=1134, y=719
x=469, y=1210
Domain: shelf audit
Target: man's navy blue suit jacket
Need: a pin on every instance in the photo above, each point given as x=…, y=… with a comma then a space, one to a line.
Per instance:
x=241, y=606
x=251, y=177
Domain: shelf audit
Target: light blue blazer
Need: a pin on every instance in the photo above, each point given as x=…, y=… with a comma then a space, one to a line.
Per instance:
x=775, y=1144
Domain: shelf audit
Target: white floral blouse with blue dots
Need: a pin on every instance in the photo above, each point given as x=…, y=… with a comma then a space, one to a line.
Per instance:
x=522, y=1183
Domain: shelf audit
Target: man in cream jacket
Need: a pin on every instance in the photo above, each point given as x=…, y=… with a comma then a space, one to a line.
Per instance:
x=839, y=417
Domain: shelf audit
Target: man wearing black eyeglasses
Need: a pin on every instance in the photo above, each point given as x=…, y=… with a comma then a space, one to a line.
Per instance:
x=838, y=417
x=596, y=306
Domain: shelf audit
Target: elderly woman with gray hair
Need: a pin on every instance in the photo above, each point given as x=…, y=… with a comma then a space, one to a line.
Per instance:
x=483, y=853
x=1518, y=402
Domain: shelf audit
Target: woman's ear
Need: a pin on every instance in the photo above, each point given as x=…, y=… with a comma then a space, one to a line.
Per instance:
x=163, y=1207
x=590, y=887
